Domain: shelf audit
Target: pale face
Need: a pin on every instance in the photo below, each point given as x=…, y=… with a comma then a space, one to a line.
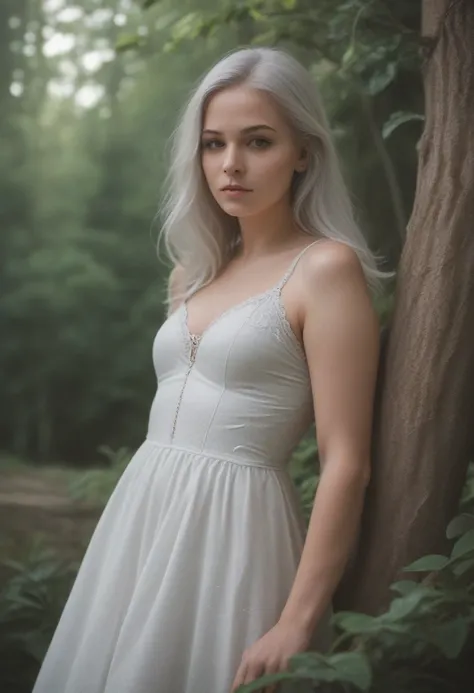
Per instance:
x=246, y=142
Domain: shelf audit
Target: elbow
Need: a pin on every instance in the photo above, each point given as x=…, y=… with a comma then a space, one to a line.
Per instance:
x=355, y=472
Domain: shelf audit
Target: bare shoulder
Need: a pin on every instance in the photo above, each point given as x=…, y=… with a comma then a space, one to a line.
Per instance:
x=332, y=260
x=336, y=290
x=335, y=285
x=330, y=268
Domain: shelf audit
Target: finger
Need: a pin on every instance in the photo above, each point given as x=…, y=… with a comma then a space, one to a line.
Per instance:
x=254, y=672
x=239, y=677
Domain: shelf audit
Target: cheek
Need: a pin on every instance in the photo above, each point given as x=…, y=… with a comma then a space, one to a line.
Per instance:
x=208, y=165
x=278, y=168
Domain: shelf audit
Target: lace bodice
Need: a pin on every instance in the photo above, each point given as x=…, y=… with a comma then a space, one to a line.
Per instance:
x=241, y=387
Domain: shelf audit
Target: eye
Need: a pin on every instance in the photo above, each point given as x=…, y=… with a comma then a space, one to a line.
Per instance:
x=260, y=143
x=211, y=144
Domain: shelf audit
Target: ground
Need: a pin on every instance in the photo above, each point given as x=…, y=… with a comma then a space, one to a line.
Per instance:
x=36, y=501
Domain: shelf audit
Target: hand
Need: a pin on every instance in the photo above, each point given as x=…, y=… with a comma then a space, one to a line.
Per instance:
x=270, y=654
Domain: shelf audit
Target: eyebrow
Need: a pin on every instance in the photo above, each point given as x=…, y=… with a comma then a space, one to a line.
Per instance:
x=245, y=131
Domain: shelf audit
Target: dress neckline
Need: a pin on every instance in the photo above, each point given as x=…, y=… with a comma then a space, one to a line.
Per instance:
x=196, y=338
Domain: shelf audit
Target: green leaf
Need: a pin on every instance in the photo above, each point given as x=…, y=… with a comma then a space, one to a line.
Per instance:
x=348, y=56
x=354, y=668
x=311, y=661
x=397, y=119
x=256, y=15
x=354, y=622
x=126, y=42
x=149, y=3
x=343, y=667
x=464, y=567
x=314, y=666
x=380, y=80
x=450, y=637
x=187, y=27
x=427, y=564
x=15, y=565
x=165, y=21
x=404, y=587
x=31, y=602
x=401, y=607
x=463, y=545
x=459, y=525
x=259, y=683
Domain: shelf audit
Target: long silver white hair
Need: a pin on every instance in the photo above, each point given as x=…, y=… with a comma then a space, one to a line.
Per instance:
x=198, y=234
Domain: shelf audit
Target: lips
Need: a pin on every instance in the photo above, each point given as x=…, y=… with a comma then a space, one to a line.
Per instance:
x=236, y=188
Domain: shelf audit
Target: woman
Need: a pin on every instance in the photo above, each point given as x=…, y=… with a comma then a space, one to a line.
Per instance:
x=201, y=575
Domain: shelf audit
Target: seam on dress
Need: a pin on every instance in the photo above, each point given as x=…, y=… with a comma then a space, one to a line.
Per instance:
x=224, y=389
x=218, y=458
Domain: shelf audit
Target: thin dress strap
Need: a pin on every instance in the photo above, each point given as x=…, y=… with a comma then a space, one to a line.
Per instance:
x=290, y=270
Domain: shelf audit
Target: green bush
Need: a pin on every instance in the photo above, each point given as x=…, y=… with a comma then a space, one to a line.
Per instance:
x=416, y=644
x=30, y=606
x=96, y=485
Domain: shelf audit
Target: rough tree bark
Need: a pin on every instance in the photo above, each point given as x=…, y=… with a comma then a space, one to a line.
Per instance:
x=424, y=427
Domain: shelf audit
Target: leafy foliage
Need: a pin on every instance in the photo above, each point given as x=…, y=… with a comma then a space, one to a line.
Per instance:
x=30, y=605
x=367, y=40
x=96, y=485
x=399, y=118
x=416, y=644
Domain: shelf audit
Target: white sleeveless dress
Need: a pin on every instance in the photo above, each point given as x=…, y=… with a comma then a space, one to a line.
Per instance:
x=196, y=551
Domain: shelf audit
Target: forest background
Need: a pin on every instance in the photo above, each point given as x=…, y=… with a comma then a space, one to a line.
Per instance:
x=90, y=92
x=83, y=142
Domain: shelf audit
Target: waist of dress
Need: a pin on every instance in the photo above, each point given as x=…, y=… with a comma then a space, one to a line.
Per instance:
x=240, y=460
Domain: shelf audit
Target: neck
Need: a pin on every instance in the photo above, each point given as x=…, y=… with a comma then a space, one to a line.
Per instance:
x=271, y=231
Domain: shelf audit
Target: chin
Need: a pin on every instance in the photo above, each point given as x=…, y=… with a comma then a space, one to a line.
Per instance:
x=237, y=209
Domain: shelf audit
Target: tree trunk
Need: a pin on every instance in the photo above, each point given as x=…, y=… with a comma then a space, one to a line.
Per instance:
x=423, y=429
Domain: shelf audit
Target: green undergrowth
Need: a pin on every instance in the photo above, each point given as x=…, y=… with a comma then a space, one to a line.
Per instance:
x=423, y=642
x=420, y=644
x=96, y=485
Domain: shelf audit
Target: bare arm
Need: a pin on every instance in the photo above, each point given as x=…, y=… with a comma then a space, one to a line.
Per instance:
x=341, y=338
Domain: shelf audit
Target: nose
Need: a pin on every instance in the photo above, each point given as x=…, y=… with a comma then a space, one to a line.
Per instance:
x=232, y=163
